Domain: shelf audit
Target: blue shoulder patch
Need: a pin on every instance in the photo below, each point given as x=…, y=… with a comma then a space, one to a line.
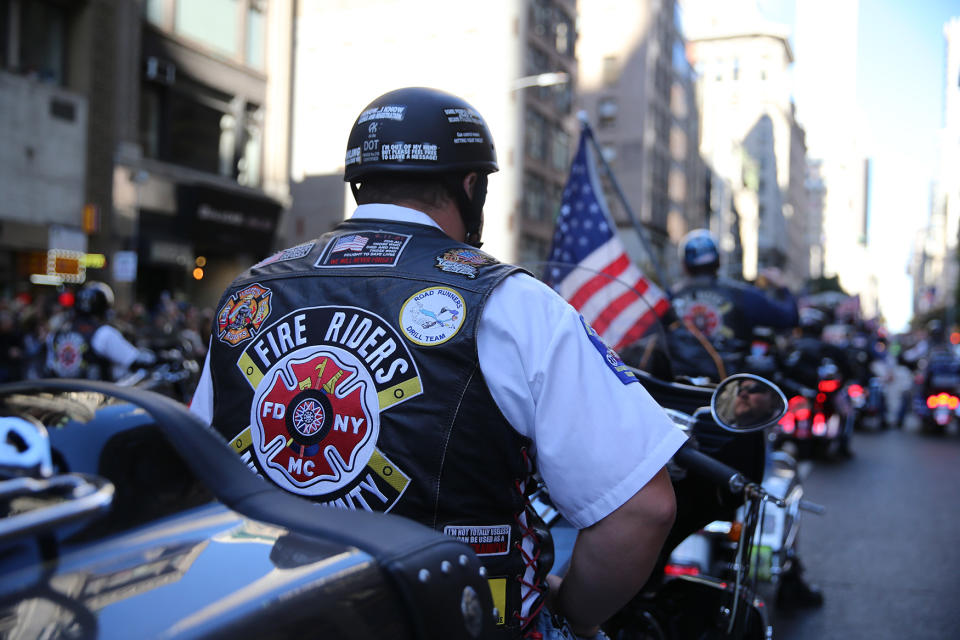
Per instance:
x=610, y=356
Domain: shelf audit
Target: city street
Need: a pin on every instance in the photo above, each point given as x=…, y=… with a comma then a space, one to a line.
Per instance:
x=886, y=552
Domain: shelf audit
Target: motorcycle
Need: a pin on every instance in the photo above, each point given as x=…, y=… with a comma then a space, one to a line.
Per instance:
x=819, y=423
x=940, y=387
x=709, y=600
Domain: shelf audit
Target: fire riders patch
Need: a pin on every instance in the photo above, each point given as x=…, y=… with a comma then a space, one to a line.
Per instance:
x=465, y=262
x=242, y=314
x=321, y=377
x=610, y=356
x=68, y=352
x=364, y=249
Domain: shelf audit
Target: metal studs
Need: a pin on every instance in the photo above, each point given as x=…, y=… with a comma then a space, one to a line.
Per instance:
x=463, y=560
x=483, y=572
x=424, y=575
x=446, y=567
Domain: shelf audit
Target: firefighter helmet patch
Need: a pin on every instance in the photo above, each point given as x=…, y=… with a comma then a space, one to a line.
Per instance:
x=242, y=314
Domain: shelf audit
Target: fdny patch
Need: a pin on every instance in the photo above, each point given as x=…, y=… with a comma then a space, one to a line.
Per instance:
x=242, y=314
x=610, y=356
x=321, y=376
x=292, y=253
x=464, y=262
x=364, y=249
x=432, y=316
x=705, y=311
x=485, y=540
x=68, y=352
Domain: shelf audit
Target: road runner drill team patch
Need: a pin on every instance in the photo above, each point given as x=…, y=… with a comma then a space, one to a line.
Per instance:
x=432, y=316
x=321, y=377
x=242, y=314
x=465, y=262
x=610, y=356
x=364, y=249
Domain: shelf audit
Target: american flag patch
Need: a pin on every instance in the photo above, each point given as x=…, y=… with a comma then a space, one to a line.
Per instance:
x=349, y=243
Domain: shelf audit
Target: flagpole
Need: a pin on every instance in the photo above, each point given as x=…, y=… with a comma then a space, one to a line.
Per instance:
x=587, y=129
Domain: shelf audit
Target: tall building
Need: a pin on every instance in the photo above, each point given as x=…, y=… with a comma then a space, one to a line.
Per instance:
x=348, y=52
x=637, y=88
x=935, y=269
x=150, y=134
x=750, y=135
x=825, y=87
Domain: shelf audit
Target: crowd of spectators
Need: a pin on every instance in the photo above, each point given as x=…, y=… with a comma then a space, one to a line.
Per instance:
x=27, y=320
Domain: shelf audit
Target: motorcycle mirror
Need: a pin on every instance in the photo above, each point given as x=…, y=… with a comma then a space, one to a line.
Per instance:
x=745, y=402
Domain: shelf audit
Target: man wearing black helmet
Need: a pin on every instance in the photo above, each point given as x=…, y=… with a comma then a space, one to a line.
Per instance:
x=390, y=365
x=724, y=311
x=86, y=346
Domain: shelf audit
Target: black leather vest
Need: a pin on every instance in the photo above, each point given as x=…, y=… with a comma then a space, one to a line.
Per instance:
x=345, y=370
x=714, y=307
x=70, y=353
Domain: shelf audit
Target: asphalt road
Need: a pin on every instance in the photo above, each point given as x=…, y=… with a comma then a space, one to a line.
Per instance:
x=887, y=551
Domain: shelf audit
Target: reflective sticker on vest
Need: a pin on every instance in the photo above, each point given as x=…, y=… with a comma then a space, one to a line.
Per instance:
x=242, y=314
x=321, y=376
x=485, y=540
x=68, y=355
x=610, y=356
x=432, y=316
x=364, y=249
x=464, y=262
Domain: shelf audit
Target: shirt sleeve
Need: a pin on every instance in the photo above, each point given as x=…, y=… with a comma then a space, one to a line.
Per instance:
x=597, y=439
x=109, y=343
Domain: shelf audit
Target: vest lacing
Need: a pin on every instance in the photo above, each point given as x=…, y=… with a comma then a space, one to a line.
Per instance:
x=535, y=589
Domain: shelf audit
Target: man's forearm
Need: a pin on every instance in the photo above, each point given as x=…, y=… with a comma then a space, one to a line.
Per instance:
x=613, y=558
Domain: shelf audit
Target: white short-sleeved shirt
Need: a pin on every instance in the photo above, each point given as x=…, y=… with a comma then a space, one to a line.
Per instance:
x=596, y=440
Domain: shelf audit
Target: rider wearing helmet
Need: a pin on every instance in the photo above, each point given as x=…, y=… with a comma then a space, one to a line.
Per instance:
x=724, y=311
x=86, y=346
x=392, y=342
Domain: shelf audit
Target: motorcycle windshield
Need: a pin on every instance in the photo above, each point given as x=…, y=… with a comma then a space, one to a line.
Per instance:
x=628, y=312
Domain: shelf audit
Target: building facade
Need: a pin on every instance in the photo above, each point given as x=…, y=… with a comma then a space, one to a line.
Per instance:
x=497, y=61
x=750, y=134
x=638, y=91
x=159, y=137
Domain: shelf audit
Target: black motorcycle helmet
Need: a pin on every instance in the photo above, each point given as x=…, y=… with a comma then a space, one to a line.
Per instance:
x=94, y=299
x=420, y=131
x=699, y=252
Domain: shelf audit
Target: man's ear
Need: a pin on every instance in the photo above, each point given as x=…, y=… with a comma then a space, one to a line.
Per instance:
x=470, y=183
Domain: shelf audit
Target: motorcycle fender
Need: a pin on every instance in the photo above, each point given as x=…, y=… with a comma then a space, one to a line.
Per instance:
x=702, y=597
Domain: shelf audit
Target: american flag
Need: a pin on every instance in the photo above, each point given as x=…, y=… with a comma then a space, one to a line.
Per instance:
x=349, y=243
x=590, y=267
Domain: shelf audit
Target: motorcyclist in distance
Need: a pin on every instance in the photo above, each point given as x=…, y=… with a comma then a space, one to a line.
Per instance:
x=87, y=346
x=724, y=311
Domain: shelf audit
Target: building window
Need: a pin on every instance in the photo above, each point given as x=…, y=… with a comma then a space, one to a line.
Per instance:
x=561, y=149
x=611, y=71
x=211, y=22
x=607, y=112
x=256, y=30
x=153, y=11
x=43, y=35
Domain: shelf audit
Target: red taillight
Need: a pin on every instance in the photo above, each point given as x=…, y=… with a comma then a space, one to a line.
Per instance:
x=787, y=423
x=932, y=402
x=943, y=399
x=819, y=425
x=681, y=570
x=802, y=414
x=828, y=386
x=821, y=398
x=855, y=391
x=952, y=402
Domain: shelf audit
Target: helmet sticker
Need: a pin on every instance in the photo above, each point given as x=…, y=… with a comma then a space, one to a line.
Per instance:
x=388, y=112
x=458, y=114
x=321, y=378
x=432, y=316
x=364, y=249
x=242, y=314
x=400, y=151
x=464, y=262
x=610, y=357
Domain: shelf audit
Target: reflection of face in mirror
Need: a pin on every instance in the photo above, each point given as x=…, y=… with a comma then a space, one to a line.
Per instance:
x=746, y=403
x=754, y=404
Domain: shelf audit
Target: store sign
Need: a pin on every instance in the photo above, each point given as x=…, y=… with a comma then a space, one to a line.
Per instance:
x=125, y=266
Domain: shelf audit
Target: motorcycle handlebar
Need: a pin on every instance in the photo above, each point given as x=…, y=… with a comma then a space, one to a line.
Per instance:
x=714, y=470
